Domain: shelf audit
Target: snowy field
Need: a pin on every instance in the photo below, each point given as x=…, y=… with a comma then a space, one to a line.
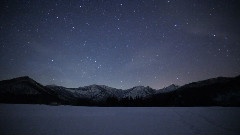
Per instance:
x=58, y=120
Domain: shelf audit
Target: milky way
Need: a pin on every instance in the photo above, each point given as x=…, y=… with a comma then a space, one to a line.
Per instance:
x=119, y=43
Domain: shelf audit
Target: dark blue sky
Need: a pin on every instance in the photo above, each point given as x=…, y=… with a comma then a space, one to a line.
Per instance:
x=119, y=43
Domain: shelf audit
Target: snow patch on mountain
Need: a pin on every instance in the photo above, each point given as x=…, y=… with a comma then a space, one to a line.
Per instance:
x=170, y=88
x=139, y=91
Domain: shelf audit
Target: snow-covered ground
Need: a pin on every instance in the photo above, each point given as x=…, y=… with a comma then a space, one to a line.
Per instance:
x=49, y=120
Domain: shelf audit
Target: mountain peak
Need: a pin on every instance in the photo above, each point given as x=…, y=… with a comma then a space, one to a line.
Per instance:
x=169, y=88
x=18, y=79
x=22, y=77
x=138, y=87
x=173, y=86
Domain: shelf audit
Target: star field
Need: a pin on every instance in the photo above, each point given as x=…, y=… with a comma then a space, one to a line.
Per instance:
x=119, y=43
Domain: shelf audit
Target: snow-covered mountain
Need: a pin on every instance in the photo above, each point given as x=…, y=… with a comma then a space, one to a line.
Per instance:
x=20, y=86
x=170, y=88
x=216, y=91
x=27, y=87
x=26, y=90
x=102, y=92
x=139, y=91
x=220, y=91
x=93, y=92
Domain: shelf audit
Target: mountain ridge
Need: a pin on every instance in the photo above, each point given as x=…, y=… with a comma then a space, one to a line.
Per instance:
x=223, y=91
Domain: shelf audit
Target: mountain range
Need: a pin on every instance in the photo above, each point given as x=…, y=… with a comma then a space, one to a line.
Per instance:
x=221, y=91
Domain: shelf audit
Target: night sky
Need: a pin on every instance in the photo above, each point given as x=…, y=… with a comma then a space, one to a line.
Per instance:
x=119, y=43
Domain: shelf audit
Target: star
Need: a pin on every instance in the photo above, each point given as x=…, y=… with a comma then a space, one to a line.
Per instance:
x=151, y=42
